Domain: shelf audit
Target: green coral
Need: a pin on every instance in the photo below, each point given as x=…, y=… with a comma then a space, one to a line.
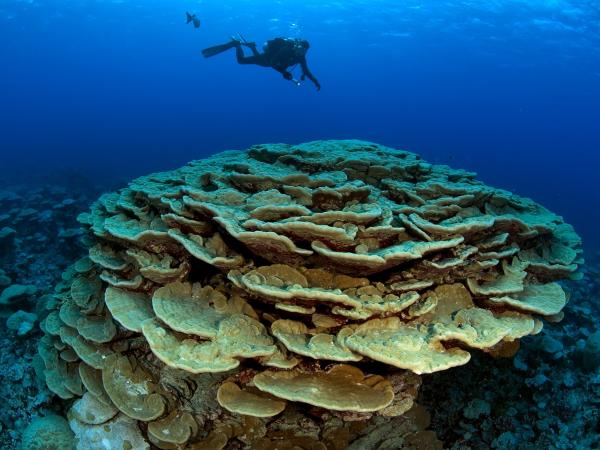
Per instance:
x=51, y=432
x=21, y=322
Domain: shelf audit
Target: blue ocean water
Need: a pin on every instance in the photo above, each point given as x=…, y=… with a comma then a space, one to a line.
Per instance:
x=115, y=89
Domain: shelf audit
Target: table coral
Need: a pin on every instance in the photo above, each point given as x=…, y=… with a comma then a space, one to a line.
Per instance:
x=291, y=293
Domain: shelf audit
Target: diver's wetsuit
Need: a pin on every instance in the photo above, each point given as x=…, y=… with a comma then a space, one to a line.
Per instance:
x=280, y=54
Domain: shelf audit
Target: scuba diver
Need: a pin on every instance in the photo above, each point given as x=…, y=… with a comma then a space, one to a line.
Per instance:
x=280, y=54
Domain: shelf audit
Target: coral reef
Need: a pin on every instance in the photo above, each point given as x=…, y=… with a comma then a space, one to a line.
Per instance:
x=24, y=395
x=38, y=231
x=51, y=432
x=292, y=295
x=591, y=352
x=548, y=397
x=38, y=240
x=21, y=322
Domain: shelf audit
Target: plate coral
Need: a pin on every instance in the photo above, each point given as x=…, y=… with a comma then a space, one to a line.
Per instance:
x=293, y=295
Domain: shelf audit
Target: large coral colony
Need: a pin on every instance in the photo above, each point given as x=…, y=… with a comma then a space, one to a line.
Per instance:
x=290, y=297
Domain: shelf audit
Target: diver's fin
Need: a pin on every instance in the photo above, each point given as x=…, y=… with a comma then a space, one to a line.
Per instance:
x=189, y=17
x=217, y=49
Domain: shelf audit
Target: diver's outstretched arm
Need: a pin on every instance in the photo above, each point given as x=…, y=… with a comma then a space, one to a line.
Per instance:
x=286, y=74
x=308, y=74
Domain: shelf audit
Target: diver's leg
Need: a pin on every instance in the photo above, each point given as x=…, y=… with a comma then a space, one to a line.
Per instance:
x=252, y=46
x=243, y=59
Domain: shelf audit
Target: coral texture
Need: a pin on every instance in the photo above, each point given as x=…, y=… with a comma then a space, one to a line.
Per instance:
x=291, y=295
x=51, y=432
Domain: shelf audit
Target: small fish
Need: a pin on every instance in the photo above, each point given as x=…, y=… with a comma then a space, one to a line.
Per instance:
x=192, y=18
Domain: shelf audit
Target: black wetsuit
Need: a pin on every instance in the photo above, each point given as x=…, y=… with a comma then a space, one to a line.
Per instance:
x=280, y=54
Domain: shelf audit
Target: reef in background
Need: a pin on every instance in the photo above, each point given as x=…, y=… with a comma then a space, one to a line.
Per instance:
x=283, y=272
x=39, y=238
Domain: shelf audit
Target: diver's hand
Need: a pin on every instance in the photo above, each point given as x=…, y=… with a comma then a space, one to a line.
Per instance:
x=317, y=85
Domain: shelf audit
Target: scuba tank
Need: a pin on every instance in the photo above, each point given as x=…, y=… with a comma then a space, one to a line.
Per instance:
x=284, y=52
